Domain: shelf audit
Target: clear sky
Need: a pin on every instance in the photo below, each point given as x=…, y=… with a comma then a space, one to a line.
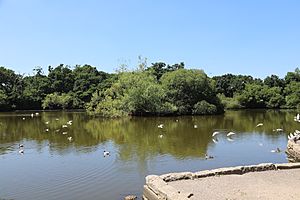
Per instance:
x=254, y=37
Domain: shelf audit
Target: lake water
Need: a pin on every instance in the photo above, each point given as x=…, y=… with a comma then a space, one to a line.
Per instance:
x=52, y=167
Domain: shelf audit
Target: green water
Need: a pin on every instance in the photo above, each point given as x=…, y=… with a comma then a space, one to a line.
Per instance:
x=53, y=167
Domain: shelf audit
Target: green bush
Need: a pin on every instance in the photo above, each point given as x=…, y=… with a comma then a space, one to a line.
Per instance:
x=57, y=101
x=204, y=108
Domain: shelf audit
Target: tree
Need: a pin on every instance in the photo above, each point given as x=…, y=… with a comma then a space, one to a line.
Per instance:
x=292, y=76
x=185, y=88
x=274, y=81
x=61, y=78
x=57, y=101
x=86, y=81
x=292, y=92
x=36, y=88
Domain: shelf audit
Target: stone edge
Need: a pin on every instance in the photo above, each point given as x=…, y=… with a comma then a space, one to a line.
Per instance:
x=157, y=187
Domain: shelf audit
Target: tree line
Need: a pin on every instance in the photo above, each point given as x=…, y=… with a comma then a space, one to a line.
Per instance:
x=158, y=89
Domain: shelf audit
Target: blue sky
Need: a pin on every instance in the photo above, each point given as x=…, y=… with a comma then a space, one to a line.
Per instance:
x=257, y=38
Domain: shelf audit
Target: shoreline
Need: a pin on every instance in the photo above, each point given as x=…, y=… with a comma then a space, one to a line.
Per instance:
x=188, y=185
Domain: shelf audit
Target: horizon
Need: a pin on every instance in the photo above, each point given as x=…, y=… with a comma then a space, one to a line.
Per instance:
x=45, y=70
x=248, y=38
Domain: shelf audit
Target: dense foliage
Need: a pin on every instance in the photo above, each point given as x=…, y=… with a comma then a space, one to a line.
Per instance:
x=236, y=91
x=159, y=89
x=140, y=92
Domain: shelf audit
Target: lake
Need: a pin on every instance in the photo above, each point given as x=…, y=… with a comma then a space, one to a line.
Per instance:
x=55, y=166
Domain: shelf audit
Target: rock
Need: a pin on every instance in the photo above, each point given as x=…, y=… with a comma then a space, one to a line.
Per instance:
x=130, y=197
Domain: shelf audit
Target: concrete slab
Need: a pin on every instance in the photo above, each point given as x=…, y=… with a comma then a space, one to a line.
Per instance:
x=263, y=181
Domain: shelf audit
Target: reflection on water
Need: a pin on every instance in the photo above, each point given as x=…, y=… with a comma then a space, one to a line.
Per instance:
x=52, y=167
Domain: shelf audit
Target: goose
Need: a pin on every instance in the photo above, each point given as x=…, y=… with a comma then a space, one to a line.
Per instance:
x=230, y=134
x=160, y=126
x=106, y=153
x=260, y=124
x=215, y=133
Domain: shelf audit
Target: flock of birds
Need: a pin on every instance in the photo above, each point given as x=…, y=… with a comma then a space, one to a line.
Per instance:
x=292, y=136
x=64, y=132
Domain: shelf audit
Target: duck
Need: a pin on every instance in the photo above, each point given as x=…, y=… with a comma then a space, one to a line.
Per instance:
x=161, y=136
x=160, y=126
x=276, y=151
x=21, y=151
x=70, y=138
x=21, y=145
x=106, y=153
x=208, y=157
x=195, y=126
